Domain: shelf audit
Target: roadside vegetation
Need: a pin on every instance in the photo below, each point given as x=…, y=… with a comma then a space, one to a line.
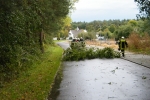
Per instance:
x=26, y=27
x=36, y=82
x=139, y=44
x=28, y=58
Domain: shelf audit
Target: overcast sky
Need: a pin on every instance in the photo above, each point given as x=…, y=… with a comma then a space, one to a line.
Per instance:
x=90, y=10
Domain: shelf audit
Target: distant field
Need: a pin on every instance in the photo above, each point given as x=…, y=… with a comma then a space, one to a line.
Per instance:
x=109, y=43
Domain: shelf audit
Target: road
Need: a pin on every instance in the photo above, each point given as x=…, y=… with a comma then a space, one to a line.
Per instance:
x=104, y=79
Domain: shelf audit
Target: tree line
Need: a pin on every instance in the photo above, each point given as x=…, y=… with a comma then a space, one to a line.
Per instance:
x=118, y=28
x=114, y=28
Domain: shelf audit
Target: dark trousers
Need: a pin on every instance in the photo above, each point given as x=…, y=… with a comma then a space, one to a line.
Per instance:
x=122, y=51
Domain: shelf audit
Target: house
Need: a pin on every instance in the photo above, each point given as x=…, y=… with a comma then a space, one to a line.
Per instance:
x=74, y=33
x=99, y=37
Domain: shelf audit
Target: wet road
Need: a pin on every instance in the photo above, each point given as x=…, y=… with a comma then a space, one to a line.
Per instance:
x=104, y=79
x=64, y=44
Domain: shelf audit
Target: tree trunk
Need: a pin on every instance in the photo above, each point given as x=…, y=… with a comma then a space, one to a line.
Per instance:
x=41, y=38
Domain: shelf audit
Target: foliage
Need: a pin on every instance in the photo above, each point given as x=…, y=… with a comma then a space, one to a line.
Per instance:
x=106, y=33
x=36, y=82
x=89, y=35
x=133, y=23
x=146, y=26
x=82, y=35
x=79, y=44
x=97, y=26
x=112, y=28
x=81, y=25
x=144, y=7
x=24, y=24
x=108, y=52
x=118, y=28
x=105, y=28
x=124, y=30
x=89, y=53
x=139, y=43
x=134, y=42
x=73, y=54
x=117, y=54
x=65, y=27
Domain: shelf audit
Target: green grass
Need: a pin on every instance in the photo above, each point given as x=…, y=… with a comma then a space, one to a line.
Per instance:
x=36, y=82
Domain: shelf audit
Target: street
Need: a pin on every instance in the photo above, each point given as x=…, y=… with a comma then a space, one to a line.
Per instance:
x=104, y=79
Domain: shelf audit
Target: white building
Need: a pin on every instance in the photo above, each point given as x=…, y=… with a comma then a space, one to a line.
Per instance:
x=74, y=33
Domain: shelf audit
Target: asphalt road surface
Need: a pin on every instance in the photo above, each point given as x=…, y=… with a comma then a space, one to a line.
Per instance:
x=104, y=79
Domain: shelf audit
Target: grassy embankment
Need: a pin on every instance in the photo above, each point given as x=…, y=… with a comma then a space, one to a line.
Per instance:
x=36, y=83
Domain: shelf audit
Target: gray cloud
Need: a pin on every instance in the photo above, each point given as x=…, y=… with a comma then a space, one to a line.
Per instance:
x=89, y=10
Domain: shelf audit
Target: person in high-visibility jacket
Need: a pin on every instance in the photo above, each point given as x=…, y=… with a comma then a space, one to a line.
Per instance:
x=122, y=45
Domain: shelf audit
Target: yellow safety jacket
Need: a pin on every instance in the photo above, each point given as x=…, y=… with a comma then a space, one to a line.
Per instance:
x=122, y=44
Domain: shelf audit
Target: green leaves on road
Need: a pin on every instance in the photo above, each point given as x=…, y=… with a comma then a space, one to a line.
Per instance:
x=89, y=53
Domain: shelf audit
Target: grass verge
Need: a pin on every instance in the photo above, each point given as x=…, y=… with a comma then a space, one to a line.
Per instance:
x=35, y=83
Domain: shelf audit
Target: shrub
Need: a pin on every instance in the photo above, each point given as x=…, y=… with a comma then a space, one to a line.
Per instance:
x=139, y=43
x=134, y=41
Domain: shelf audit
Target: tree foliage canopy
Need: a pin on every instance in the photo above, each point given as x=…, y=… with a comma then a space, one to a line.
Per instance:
x=144, y=7
x=23, y=24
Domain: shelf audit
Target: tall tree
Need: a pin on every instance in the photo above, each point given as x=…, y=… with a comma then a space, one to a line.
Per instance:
x=66, y=25
x=144, y=7
x=23, y=24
